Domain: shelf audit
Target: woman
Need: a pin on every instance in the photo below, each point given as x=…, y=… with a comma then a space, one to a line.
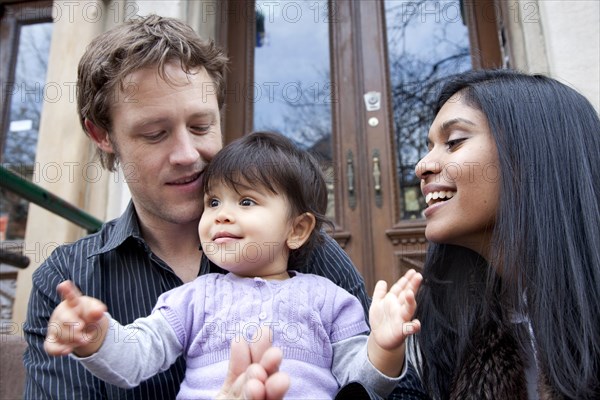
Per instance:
x=511, y=292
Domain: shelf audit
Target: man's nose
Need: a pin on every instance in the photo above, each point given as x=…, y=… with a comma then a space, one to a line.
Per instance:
x=184, y=151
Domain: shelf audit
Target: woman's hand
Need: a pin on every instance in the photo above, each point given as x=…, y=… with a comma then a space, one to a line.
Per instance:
x=254, y=371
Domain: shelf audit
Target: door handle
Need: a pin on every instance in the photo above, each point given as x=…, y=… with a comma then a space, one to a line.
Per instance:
x=377, y=178
x=350, y=178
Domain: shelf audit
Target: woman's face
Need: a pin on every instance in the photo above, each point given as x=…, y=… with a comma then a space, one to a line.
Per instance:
x=460, y=178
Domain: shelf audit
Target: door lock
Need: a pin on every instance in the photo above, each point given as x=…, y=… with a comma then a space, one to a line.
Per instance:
x=372, y=101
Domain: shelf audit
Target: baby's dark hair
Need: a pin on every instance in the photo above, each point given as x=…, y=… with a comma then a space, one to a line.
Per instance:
x=272, y=161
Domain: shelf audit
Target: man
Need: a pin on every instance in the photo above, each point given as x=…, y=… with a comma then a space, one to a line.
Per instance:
x=149, y=96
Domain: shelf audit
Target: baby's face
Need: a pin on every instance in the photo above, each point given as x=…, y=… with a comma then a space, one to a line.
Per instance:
x=245, y=231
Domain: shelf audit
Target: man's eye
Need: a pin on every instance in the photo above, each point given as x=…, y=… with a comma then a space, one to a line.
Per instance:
x=247, y=202
x=200, y=129
x=154, y=137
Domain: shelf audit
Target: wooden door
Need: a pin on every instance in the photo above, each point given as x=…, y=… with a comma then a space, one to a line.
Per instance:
x=378, y=114
x=382, y=244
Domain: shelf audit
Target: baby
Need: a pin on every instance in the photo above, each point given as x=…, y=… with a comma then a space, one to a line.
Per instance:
x=264, y=209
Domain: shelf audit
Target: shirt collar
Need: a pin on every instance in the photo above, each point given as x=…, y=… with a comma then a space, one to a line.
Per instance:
x=124, y=227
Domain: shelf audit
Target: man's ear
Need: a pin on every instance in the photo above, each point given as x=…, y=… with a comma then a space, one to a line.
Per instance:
x=99, y=136
x=302, y=227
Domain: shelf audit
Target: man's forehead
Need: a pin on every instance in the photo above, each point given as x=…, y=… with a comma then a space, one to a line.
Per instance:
x=146, y=84
x=171, y=74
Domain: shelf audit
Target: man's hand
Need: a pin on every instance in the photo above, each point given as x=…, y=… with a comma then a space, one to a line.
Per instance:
x=391, y=321
x=254, y=371
x=77, y=324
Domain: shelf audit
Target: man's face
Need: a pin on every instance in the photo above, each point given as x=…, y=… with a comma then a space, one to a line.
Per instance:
x=164, y=135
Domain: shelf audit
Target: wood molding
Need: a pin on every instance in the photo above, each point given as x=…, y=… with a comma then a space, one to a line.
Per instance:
x=481, y=17
x=239, y=41
x=407, y=232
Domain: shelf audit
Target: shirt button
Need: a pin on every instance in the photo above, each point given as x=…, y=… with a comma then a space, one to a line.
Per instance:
x=262, y=315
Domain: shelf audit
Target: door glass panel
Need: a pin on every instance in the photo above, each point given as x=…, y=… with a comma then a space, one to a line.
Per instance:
x=19, y=147
x=28, y=91
x=292, y=84
x=427, y=41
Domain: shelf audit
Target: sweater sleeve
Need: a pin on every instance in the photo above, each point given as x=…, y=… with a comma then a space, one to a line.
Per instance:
x=331, y=261
x=351, y=364
x=150, y=346
x=344, y=312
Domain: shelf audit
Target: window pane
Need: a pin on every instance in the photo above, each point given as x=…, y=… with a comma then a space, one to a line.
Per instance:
x=24, y=119
x=292, y=86
x=427, y=41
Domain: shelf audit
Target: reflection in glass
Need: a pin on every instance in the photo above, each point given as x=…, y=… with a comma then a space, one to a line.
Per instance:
x=28, y=94
x=426, y=41
x=292, y=85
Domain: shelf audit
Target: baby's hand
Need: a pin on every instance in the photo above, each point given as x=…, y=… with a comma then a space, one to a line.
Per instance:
x=391, y=312
x=77, y=323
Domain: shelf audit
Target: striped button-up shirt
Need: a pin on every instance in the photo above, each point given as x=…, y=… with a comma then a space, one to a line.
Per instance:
x=117, y=266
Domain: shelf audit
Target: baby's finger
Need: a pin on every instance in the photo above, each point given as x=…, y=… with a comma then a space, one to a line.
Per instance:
x=64, y=318
x=55, y=347
x=415, y=281
x=380, y=290
x=411, y=327
x=69, y=293
x=403, y=282
x=409, y=304
x=92, y=310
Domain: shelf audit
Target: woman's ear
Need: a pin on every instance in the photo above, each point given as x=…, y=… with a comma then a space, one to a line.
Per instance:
x=99, y=136
x=302, y=227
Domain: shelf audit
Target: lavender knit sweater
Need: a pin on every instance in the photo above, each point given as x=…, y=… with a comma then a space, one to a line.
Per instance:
x=309, y=316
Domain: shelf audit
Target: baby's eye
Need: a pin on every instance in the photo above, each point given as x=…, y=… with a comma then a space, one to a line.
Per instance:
x=212, y=203
x=247, y=202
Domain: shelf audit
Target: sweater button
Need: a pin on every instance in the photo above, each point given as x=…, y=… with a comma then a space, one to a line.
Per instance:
x=262, y=315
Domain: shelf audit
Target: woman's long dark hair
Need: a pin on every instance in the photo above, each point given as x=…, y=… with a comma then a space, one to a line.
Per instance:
x=546, y=241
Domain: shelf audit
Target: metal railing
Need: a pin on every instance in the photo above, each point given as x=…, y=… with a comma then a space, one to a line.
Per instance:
x=43, y=198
